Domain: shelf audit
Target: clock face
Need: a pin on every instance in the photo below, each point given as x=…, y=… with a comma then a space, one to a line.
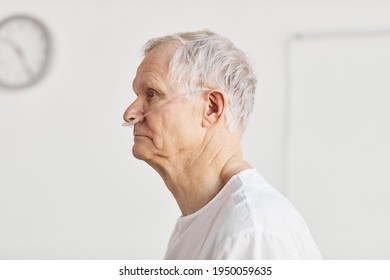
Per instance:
x=25, y=48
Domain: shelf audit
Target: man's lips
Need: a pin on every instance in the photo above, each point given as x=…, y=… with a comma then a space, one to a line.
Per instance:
x=138, y=132
x=141, y=135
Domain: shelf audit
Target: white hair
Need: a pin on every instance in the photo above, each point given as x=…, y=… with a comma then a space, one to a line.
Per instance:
x=207, y=60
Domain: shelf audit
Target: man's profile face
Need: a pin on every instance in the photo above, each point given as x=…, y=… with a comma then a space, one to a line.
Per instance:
x=173, y=124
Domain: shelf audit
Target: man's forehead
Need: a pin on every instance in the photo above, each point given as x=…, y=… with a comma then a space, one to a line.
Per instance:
x=151, y=69
x=148, y=79
x=154, y=67
x=160, y=54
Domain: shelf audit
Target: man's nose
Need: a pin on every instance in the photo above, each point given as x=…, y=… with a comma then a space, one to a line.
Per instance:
x=134, y=111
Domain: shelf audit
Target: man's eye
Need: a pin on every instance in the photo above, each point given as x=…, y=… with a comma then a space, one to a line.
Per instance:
x=150, y=94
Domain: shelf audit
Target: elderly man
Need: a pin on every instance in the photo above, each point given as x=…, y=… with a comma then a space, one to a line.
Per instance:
x=195, y=92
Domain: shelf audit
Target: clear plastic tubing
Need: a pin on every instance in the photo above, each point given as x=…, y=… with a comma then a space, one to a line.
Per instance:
x=133, y=121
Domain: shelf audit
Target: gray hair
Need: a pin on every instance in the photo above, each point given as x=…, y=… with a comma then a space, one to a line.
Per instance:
x=207, y=60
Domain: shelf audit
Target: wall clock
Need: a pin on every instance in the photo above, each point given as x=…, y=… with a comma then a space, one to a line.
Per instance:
x=25, y=51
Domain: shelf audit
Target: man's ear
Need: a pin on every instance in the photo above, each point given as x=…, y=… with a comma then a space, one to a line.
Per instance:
x=215, y=106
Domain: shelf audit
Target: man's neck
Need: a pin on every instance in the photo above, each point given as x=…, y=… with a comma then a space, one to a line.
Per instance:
x=197, y=177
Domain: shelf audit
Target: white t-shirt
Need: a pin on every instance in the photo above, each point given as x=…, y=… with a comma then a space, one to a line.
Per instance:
x=247, y=219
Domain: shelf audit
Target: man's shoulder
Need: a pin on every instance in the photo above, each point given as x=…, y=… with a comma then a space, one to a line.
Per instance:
x=254, y=196
x=258, y=216
x=255, y=206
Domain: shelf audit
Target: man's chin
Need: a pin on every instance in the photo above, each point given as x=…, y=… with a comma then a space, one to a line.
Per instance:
x=137, y=154
x=140, y=152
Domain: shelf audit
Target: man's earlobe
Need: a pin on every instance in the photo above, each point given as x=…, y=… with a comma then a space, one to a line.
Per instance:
x=216, y=102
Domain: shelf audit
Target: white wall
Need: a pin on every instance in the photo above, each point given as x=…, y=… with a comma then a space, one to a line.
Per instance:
x=338, y=146
x=69, y=187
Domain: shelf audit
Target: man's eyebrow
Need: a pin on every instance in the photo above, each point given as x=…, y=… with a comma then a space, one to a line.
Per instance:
x=149, y=84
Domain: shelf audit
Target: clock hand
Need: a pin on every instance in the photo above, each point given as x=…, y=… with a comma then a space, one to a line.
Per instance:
x=20, y=54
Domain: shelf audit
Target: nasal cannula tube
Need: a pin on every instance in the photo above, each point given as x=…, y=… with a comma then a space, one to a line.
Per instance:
x=133, y=121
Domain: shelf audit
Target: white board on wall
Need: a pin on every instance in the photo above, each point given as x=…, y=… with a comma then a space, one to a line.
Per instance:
x=338, y=144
